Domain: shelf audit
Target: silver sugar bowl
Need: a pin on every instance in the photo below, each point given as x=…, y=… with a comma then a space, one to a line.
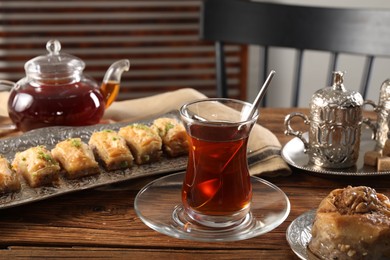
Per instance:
x=334, y=126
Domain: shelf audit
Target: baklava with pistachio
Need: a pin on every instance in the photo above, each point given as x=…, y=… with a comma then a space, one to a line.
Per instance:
x=37, y=166
x=9, y=181
x=145, y=144
x=76, y=158
x=173, y=135
x=111, y=149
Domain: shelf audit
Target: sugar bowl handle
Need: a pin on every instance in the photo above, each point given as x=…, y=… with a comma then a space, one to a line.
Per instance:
x=372, y=125
x=290, y=131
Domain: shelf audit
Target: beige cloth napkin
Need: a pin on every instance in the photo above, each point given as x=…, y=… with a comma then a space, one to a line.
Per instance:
x=4, y=104
x=264, y=145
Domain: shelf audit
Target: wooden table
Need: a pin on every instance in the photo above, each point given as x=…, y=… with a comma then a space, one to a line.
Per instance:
x=102, y=223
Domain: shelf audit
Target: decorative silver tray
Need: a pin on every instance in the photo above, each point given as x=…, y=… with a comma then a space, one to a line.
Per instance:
x=51, y=136
x=298, y=234
x=293, y=154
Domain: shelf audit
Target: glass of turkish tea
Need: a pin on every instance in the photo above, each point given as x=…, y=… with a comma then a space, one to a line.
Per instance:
x=217, y=190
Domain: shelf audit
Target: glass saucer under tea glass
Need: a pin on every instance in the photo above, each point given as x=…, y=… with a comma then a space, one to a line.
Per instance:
x=159, y=206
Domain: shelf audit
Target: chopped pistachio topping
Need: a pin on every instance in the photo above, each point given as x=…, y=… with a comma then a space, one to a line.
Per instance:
x=44, y=156
x=147, y=129
x=141, y=126
x=169, y=126
x=124, y=164
x=76, y=142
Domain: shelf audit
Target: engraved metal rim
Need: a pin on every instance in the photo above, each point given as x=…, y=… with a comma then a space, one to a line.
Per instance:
x=293, y=154
x=298, y=233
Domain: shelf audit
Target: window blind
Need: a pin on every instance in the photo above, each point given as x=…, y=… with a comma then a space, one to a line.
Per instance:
x=160, y=38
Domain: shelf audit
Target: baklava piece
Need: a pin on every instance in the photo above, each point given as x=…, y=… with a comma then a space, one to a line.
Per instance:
x=76, y=158
x=145, y=144
x=352, y=223
x=37, y=166
x=111, y=149
x=9, y=181
x=173, y=135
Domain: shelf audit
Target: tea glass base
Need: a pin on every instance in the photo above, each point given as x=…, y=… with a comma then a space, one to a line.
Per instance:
x=188, y=224
x=180, y=215
x=159, y=206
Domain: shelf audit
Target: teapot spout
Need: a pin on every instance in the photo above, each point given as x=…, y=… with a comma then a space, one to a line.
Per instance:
x=111, y=81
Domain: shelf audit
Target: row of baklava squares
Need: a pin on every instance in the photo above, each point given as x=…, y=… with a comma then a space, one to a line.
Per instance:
x=135, y=143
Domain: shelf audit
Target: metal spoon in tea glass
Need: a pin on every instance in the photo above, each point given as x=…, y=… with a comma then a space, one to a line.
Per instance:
x=249, y=114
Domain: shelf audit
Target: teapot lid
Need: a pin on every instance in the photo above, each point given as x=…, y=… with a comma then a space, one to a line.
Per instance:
x=54, y=65
x=336, y=95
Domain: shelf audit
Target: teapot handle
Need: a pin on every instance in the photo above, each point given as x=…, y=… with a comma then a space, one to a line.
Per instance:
x=6, y=85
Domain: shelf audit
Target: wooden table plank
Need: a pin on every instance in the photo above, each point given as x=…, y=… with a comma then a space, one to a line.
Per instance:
x=124, y=253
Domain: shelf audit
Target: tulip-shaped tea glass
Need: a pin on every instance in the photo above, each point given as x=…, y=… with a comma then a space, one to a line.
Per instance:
x=215, y=199
x=217, y=189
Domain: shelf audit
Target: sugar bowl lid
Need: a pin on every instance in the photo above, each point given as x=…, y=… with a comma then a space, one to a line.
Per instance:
x=54, y=64
x=336, y=95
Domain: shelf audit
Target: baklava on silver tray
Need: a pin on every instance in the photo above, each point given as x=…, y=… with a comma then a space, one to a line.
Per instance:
x=72, y=176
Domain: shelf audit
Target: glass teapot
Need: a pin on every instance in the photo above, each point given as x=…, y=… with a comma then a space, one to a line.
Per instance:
x=56, y=92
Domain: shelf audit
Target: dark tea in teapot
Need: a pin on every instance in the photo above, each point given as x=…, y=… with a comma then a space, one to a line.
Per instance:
x=76, y=104
x=55, y=92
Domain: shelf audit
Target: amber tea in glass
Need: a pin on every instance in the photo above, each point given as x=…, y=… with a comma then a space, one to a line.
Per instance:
x=217, y=188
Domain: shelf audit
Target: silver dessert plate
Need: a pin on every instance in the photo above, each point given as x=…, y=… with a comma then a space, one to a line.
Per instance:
x=293, y=154
x=298, y=234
